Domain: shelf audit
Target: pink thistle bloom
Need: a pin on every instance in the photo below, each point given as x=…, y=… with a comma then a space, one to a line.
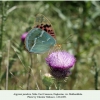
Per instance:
x=60, y=63
x=23, y=36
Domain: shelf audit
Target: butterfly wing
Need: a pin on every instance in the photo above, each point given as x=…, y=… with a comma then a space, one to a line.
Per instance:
x=43, y=23
x=39, y=41
x=29, y=40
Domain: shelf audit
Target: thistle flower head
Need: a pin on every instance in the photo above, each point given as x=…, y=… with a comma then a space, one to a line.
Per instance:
x=23, y=36
x=60, y=63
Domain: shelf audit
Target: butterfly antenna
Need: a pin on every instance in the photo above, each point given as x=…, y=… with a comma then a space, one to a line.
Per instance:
x=68, y=39
x=69, y=36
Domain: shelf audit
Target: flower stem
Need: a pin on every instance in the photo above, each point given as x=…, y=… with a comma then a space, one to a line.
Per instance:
x=58, y=85
x=1, y=31
x=96, y=75
x=29, y=73
x=7, y=66
x=2, y=25
x=96, y=67
x=47, y=88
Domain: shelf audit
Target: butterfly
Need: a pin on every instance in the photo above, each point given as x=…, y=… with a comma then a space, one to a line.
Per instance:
x=42, y=37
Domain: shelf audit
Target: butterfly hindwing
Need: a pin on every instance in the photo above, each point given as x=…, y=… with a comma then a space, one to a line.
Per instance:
x=39, y=41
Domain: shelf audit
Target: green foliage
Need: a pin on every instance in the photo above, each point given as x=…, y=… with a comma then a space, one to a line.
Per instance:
x=79, y=19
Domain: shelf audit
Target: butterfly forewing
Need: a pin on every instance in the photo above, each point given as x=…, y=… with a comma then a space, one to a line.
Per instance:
x=43, y=23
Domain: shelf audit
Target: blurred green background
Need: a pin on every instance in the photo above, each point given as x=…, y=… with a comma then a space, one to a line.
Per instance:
x=79, y=19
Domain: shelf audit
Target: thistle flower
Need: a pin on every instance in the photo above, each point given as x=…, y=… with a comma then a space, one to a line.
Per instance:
x=60, y=63
x=23, y=36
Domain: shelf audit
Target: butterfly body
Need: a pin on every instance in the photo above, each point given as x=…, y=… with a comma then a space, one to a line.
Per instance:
x=39, y=41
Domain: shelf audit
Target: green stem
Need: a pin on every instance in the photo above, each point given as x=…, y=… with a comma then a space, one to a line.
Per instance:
x=96, y=80
x=29, y=73
x=58, y=85
x=47, y=88
x=96, y=75
x=2, y=4
x=7, y=66
x=11, y=62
